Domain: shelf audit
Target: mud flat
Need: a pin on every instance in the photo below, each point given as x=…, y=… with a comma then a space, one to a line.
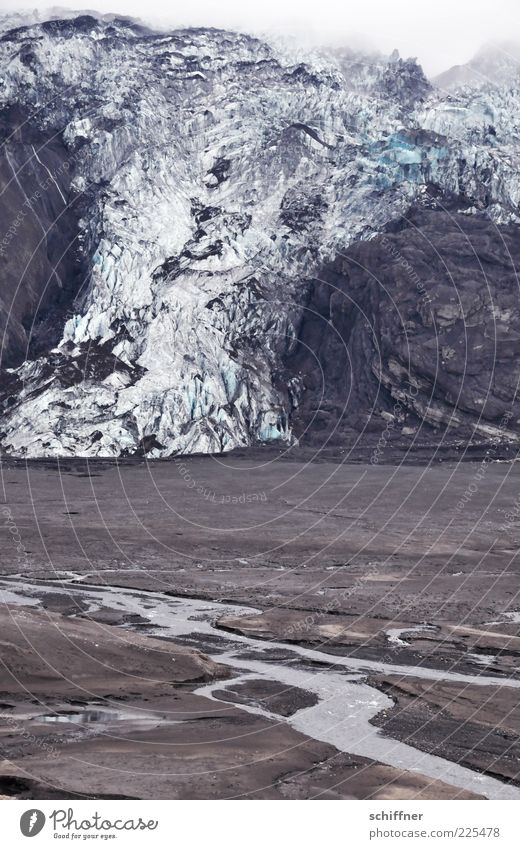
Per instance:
x=259, y=628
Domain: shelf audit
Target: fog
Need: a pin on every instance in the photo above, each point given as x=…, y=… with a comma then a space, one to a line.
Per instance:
x=440, y=34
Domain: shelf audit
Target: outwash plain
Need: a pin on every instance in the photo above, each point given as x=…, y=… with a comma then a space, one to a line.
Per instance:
x=259, y=417
x=321, y=630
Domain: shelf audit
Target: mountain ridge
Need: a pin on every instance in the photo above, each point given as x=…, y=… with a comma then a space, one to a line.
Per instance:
x=208, y=177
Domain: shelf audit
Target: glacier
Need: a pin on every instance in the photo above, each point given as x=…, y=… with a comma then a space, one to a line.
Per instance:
x=204, y=177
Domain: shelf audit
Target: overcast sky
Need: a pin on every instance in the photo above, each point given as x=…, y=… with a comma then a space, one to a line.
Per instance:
x=440, y=33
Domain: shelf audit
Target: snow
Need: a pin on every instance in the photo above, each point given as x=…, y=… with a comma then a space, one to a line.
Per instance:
x=197, y=264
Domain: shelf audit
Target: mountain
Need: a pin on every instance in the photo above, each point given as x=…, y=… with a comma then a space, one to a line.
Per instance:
x=495, y=64
x=171, y=200
x=420, y=331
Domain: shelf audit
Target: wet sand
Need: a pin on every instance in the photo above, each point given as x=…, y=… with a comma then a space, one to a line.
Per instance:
x=359, y=574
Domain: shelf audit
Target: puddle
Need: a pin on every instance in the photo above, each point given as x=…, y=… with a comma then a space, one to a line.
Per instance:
x=513, y=615
x=92, y=716
x=481, y=659
x=84, y=717
x=395, y=635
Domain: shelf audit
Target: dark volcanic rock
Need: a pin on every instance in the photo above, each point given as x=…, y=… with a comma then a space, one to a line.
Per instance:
x=417, y=329
x=39, y=265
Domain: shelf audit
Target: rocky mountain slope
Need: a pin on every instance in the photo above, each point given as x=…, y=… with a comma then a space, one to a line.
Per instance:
x=169, y=199
x=420, y=330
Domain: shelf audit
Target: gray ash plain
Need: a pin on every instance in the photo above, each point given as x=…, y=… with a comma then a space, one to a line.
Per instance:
x=158, y=596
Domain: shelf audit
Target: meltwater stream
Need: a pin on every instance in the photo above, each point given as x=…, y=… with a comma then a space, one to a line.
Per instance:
x=346, y=702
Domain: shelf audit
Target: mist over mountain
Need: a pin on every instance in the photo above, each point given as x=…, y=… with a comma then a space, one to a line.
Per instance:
x=496, y=63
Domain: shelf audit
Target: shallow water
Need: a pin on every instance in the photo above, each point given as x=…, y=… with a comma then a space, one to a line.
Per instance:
x=346, y=702
x=91, y=715
x=398, y=636
x=103, y=717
